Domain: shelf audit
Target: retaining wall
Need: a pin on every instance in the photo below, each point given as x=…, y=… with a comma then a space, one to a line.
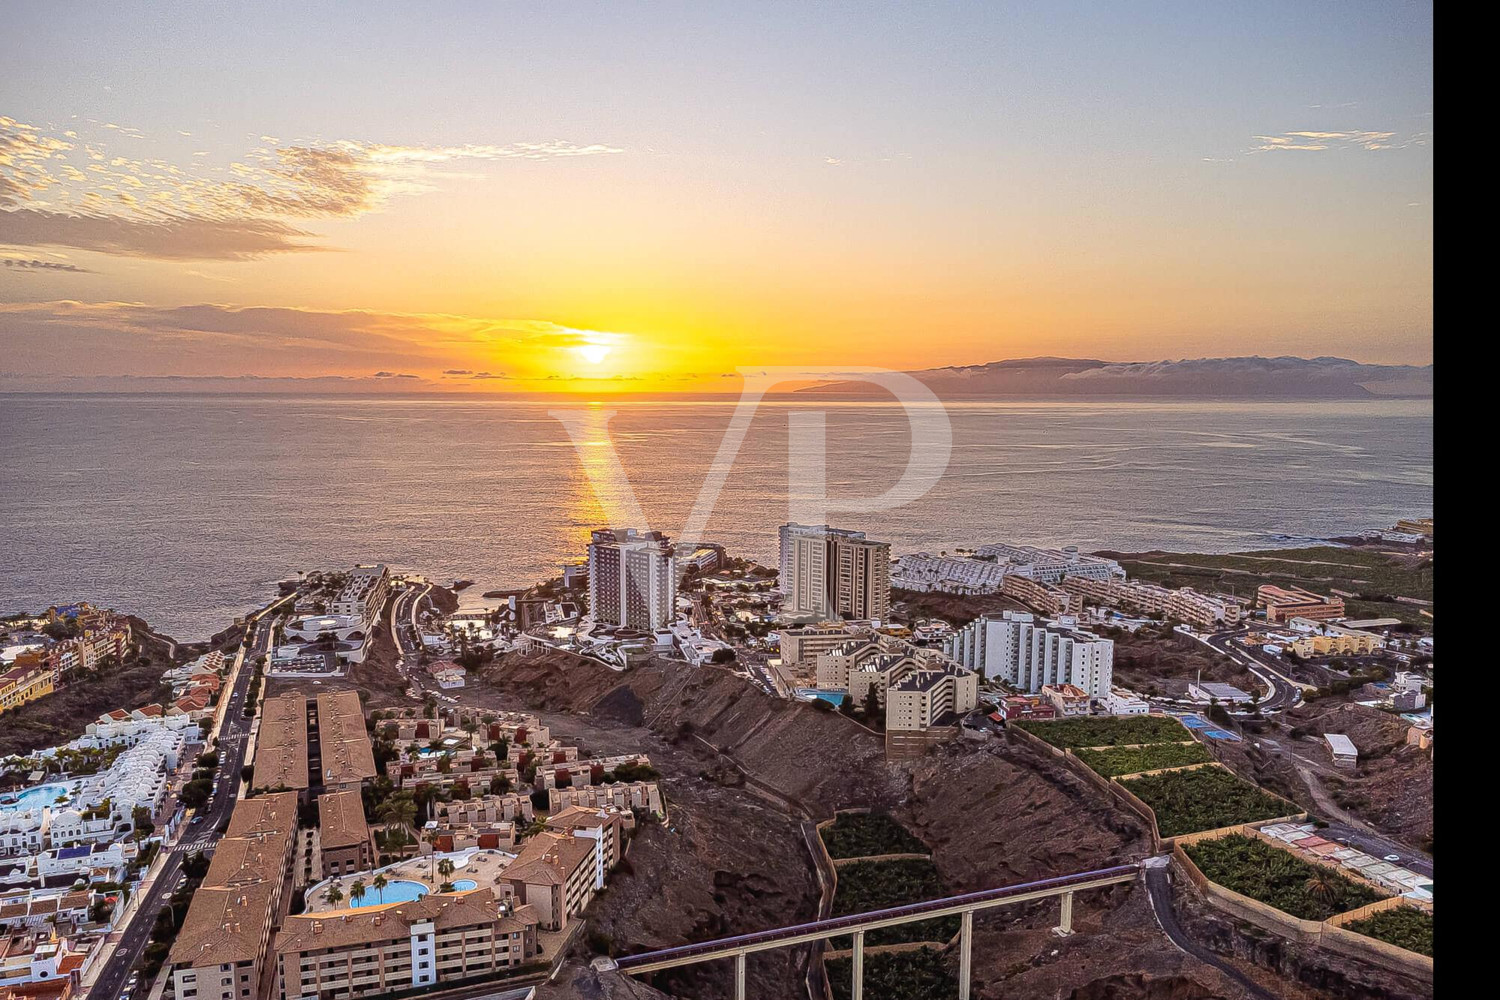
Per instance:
x=1320, y=933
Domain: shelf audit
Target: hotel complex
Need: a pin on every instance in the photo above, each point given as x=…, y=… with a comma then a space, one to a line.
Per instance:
x=313, y=744
x=1283, y=604
x=1184, y=604
x=831, y=573
x=396, y=947
x=220, y=951
x=1029, y=654
x=363, y=594
x=632, y=579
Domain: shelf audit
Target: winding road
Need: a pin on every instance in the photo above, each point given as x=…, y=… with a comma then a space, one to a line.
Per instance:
x=1159, y=891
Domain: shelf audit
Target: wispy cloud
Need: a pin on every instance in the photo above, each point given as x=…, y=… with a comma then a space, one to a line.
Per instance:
x=32, y=264
x=68, y=337
x=1315, y=141
x=61, y=189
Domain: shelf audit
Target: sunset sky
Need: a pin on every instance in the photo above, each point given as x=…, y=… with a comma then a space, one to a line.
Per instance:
x=577, y=195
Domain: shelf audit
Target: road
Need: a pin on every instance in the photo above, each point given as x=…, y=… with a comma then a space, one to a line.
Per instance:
x=198, y=835
x=407, y=635
x=1284, y=691
x=1159, y=891
x=1363, y=839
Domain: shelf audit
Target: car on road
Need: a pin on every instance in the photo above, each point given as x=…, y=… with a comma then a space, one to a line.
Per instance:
x=1393, y=857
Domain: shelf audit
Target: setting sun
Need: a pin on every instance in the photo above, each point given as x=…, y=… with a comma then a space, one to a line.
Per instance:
x=592, y=353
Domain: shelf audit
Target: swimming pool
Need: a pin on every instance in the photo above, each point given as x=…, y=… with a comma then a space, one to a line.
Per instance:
x=833, y=697
x=465, y=884
x=399, y=891
x=41, y=795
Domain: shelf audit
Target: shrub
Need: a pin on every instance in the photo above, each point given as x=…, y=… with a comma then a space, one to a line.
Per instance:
x=1204, y=799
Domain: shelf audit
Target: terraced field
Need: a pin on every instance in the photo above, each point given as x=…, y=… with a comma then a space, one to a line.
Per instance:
x=1111, y=762
x=1069, y=734
x=1206, y=798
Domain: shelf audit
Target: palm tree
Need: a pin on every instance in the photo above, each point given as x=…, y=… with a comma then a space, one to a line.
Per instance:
x=335, y=896
x=445, y=868
x=379, y=882
x=1322, y=885
x=431, y=836
x=357, y=891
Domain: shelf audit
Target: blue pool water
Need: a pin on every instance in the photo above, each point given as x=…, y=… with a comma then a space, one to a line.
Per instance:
x=465, y=884
x=834, y=698
x=35, y=798
x=400, y=891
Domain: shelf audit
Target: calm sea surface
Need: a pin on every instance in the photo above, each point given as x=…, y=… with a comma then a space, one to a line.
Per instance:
x=187, y=509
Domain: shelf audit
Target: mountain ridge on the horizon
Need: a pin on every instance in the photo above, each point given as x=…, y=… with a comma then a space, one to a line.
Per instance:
x=1238, y=377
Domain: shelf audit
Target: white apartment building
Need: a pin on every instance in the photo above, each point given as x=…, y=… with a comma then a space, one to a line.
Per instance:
x=81, y=860
x=364, y=593
x=1049, y=565
x=950, y=574
x=1118, y=703
x=632, y=579
x=833, y=573
x=1028, y=654
x=108, y=731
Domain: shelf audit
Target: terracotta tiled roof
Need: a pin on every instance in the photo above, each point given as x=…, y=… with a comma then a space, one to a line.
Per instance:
x=341, y=819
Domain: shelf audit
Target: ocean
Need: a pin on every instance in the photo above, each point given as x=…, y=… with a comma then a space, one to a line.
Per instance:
x=186, y=509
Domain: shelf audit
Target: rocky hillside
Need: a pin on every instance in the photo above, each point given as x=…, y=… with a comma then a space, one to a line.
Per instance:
x=744, y=775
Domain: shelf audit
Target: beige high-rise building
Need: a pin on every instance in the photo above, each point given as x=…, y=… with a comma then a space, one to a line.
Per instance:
x=831, y=573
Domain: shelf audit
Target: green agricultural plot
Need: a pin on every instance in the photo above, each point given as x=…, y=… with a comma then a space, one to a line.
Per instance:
x=1405, y=927
x=865, y=835
x=1112, y=762
x=1073, y=733
x=874, y=885
x=1279, y=878
x=906, y=975
x=1203, y=799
